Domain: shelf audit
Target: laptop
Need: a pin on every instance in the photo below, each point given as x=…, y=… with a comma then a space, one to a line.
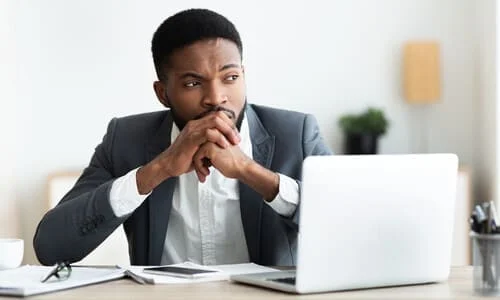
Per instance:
x=371, y=221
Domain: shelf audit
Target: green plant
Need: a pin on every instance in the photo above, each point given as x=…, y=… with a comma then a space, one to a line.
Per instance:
x=372, y=121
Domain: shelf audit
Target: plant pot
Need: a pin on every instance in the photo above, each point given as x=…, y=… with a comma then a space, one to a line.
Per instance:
x=361, y=144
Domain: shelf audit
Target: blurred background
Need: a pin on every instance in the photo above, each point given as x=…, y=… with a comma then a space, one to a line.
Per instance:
x=68, y=67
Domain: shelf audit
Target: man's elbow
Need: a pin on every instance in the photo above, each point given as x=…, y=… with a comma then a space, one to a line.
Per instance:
x=42, y=247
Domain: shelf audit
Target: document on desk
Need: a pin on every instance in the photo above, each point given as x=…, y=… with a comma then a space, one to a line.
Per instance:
x=223, y=273
x=25, y=280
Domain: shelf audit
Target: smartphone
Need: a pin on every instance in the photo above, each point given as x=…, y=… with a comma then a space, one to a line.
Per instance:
x=179, y=271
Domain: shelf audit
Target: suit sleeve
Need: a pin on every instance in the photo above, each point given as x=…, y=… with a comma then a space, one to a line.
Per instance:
x=312, y=144
x=83, y=219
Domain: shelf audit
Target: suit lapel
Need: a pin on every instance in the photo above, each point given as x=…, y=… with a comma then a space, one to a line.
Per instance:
x=160, y=200
x=250, y=201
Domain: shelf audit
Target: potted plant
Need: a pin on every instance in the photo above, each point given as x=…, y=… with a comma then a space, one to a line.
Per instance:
x=362, y=131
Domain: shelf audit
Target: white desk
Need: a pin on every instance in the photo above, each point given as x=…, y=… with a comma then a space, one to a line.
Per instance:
x=459, y=286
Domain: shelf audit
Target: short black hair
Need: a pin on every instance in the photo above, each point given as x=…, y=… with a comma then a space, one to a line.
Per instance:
x=187, y=27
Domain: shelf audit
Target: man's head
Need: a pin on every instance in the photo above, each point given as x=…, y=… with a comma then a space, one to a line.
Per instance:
x=198, y=59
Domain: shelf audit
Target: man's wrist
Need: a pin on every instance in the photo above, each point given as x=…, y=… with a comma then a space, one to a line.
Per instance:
x=262, y=180
x=245, y=168
x=150, y=176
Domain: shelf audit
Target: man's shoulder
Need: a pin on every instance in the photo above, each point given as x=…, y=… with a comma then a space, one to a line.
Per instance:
x=148, y=117
x=266, y=113
x=138, y=126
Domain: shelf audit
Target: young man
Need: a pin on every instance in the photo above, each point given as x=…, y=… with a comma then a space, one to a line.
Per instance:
x=212, y=180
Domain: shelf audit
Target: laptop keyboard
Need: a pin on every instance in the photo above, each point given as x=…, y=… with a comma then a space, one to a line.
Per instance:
x=287, y=280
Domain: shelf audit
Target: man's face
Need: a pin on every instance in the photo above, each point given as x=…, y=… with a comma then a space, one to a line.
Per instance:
x=202, y=77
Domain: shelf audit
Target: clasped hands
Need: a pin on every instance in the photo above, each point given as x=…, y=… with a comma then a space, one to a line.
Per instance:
x=211, y=140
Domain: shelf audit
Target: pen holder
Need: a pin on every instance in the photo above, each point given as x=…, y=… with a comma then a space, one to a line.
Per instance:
x=486, y=260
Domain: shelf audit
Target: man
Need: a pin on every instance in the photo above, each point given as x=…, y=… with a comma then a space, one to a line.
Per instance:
x=212, y=180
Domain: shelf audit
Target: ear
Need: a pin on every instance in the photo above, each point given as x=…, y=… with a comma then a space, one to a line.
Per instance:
x=161, y=93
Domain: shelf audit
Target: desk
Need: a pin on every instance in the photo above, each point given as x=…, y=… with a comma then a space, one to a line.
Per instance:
x=459, y=286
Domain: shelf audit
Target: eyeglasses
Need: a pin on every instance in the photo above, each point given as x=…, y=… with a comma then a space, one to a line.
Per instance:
x=61, y=271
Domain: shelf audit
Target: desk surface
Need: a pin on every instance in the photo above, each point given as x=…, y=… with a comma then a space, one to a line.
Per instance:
x=459, y=286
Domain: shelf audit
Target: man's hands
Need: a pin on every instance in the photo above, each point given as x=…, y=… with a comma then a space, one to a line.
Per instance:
x=216, y=128
x=233, y=163
x=211, y=140
x=230, y=161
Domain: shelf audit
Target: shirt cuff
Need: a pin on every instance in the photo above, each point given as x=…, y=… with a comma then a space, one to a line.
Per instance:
x=285, y=203
x=124, y=196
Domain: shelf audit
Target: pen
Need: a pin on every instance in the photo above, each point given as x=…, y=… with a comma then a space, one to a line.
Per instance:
x=494, y=218
x=479, y=212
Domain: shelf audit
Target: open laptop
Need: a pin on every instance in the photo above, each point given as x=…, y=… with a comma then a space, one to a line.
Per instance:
x=371, y=221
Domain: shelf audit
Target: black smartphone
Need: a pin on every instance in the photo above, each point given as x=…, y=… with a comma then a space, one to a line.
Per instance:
x=179, y=271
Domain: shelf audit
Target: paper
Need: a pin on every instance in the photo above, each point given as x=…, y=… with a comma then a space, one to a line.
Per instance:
x=240, y=269
x=224, y=272
x=25, y=280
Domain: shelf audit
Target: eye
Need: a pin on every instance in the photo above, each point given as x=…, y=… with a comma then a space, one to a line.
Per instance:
x=191, y=84
x=232, y=77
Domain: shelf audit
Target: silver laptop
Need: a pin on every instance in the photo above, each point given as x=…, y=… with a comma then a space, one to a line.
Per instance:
x=371, y=221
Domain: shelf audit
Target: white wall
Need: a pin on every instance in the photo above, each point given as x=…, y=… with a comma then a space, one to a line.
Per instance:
x=9, y=215
x=493, y=179
x=487, y=167
x=82, y=63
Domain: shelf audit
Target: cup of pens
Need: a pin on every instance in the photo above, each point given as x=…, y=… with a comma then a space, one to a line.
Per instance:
x=486, y=261
x=485, y=237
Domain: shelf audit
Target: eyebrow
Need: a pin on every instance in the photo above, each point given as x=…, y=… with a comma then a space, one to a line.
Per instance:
x=198, y=76
x=229, y=66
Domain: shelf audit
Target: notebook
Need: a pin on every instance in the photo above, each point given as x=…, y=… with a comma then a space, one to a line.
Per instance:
x=25, y=281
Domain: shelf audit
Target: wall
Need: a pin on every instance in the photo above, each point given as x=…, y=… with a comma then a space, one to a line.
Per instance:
x=494, y=180
x=82, y=63
x=9, y=215
x=487, y=168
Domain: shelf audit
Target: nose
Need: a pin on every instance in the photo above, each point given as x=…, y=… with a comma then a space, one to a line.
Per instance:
x=214, y=96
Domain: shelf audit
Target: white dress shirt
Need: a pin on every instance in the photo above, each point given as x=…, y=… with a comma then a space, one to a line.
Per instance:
x=205, y=225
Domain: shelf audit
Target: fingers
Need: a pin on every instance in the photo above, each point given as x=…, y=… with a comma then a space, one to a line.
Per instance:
x=201, y=176
x=216, y=128
x=220, y=122
x=225, y=125
x=216, y=137
x=201, y=161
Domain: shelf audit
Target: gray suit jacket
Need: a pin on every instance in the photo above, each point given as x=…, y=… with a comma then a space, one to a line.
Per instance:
x=83, y=219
